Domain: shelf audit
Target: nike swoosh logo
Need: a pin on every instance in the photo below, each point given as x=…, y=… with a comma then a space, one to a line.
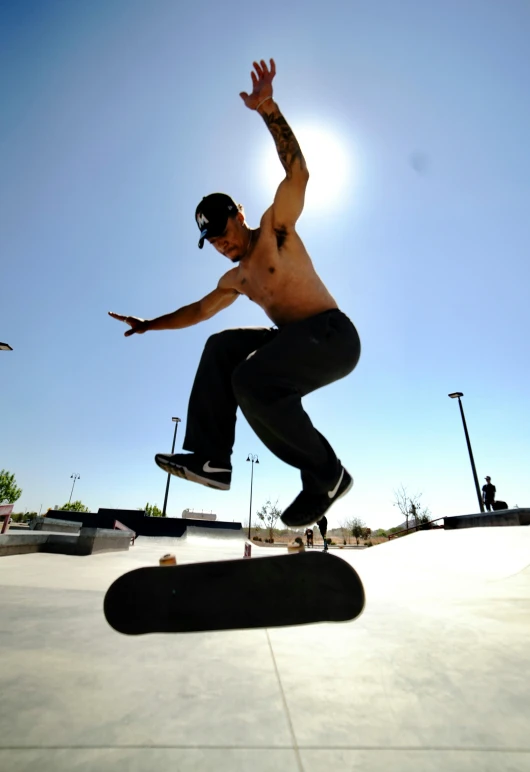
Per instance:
x=333, y=493
x=208, y=468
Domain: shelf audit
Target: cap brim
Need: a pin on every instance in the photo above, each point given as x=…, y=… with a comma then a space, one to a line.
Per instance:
x=204, y=234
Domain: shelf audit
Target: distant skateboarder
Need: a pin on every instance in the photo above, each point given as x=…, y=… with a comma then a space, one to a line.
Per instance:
x=309, y=537
x=266, y=371
x=488, y=494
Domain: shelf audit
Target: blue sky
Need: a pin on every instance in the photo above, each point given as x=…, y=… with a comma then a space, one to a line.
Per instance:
x=118, y=117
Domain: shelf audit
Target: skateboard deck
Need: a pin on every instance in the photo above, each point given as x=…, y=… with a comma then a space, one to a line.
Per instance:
x=235, y=594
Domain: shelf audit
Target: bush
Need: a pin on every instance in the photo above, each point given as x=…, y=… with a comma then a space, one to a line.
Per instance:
x=22, y=517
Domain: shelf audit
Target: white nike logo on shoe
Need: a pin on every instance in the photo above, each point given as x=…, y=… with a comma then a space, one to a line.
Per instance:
x=333, y=493
x=209, y=469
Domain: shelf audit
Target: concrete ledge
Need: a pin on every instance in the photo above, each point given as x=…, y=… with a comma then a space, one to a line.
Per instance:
x=88, y=541
x=52, y=524
x=102, y=540
x=502, y=517
x=19, y=543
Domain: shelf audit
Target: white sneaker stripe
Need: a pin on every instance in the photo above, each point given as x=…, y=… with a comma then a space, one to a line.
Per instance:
x=333, y=493
x=209, y=469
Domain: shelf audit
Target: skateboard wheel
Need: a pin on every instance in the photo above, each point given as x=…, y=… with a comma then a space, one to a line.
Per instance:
x=297, y=545
x=168, y=560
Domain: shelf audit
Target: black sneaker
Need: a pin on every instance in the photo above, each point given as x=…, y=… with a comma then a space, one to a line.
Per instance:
x=190, y=467
x=308, y=507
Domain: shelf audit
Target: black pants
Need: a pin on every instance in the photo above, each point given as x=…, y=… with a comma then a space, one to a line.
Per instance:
x=266, y=372
x=488, y=505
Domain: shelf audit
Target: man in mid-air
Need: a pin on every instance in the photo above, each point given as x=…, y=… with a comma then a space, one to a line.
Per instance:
x=265, y=371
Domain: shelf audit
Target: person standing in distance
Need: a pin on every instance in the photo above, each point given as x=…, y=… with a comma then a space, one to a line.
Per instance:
x=488, y=494
x=265, y=371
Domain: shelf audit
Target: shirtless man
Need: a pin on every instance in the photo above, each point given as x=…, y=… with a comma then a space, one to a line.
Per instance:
x=264, y=370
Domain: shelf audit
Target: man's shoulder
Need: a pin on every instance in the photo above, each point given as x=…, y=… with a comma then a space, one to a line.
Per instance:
x=285, y=237
x=228, y=280
x=266, y=219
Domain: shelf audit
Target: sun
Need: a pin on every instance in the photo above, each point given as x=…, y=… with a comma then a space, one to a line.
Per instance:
x=328, y=162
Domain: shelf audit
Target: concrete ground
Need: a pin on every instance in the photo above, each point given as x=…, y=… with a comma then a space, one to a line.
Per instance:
x=433, y=675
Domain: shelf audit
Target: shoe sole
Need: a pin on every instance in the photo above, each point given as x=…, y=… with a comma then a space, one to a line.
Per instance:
x=187, y=474
x=313, y=521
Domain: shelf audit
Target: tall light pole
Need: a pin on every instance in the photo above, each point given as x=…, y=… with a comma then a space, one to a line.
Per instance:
x=457, y=395
x=176, y=421
x=254, y=460
x=74, y=477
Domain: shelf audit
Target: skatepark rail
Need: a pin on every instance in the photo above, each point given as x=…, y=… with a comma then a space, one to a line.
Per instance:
x=120, y=527
x=420, y=527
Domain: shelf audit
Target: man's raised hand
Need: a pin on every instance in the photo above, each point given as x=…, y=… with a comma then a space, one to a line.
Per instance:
x=262, y=77
x=136, y=324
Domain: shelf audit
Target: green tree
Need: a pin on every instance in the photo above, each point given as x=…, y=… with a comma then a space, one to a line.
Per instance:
x=151, y=510
x=73, y=506
x=9, y=493
x=23, y=517
x=357, y=528
x=268, y=515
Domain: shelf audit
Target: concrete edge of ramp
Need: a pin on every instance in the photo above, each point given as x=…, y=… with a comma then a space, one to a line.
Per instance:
x=221, y=534
x=504, y=517
x=195, y=533
x=485, y=553
x=86, y=542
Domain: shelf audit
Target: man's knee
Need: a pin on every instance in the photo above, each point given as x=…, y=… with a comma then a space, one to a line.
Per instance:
x=253, y=385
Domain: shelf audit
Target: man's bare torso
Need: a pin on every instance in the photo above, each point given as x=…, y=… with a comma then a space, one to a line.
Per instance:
x=279, y=276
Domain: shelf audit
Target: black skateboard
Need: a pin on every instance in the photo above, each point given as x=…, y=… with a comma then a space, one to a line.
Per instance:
x=235, y=594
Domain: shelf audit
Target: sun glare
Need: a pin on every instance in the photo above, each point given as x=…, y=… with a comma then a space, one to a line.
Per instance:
x=328, y=163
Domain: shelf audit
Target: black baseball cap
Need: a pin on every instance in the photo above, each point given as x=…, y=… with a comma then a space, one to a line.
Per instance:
x=212, y=215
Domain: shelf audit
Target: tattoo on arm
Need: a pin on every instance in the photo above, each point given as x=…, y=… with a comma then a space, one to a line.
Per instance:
x=286, y=143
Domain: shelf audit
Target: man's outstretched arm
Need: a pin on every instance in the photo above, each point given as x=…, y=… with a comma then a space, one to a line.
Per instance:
x=289, y=198
x=186, y=316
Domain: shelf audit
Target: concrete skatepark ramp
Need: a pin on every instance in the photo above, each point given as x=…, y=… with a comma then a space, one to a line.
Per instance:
x=432, y=676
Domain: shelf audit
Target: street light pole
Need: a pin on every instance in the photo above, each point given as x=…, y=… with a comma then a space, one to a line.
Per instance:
x=254, y=460
x=75, y=477
x=457, y=395
x=177, y=421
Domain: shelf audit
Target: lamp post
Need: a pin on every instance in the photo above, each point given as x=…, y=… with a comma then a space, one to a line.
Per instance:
x=5, y=347
x=254, y=460
x=75, y=477
x=176, y=421
x=457, y=395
